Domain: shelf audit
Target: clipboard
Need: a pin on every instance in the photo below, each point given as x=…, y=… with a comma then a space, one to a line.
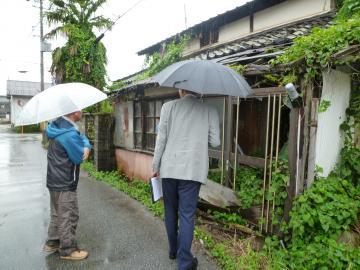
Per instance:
x=156, y=189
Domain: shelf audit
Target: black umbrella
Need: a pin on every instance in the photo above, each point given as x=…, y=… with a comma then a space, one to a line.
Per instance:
x=204, y=77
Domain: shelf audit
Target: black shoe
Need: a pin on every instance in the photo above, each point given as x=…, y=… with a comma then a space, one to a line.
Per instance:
x=172, y=256
x=194, y=264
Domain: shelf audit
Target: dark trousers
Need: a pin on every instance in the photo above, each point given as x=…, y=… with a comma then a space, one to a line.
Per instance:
x=180, y=200
x=63, y=222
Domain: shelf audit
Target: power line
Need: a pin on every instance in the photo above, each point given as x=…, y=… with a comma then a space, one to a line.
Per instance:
x=114, y=22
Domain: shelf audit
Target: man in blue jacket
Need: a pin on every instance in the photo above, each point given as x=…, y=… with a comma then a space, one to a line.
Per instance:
x=67, y=149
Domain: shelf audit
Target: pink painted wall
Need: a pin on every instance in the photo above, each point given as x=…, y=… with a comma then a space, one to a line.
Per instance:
x=134, y=165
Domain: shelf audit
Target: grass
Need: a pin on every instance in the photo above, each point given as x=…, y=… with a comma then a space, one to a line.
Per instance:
x=230, y=254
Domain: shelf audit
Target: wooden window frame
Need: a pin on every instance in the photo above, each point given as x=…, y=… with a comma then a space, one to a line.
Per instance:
x=209, y=37
x=144, y=117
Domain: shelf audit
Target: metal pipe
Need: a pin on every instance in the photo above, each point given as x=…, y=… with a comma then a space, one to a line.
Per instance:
x=265, y=162
x=270, y=162
x=223, y=143
x=236, y=140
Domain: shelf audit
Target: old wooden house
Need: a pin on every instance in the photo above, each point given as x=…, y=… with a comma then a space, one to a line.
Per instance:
x=255, y=131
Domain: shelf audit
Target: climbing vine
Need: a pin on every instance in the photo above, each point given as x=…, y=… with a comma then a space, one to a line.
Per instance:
x=330, y=207
x=316, y=50
x=158, y=61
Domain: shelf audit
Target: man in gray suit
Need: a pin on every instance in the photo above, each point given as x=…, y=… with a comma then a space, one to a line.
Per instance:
x=187, y=126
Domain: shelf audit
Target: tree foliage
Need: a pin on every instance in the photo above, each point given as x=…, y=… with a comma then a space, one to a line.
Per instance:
x=83, y=57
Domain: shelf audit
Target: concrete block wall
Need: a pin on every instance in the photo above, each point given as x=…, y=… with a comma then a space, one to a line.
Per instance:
x=104, y=149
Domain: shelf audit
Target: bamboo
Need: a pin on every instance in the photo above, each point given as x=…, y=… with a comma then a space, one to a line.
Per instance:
x=278, y=131
x=223, y=143
x=265, y=162
x=276, y=152
x=270, y=162
x=236, y=140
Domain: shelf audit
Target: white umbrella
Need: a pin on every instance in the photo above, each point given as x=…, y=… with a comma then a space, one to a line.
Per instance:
x=59, y=100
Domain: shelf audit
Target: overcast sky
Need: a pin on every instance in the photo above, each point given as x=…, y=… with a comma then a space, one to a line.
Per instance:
x=148, y=23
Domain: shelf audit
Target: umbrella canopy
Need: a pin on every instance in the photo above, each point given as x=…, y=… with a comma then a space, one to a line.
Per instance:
x=59, y=100
x=204, y=77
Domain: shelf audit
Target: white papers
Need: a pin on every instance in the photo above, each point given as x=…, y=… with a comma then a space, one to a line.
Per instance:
x=156, y=187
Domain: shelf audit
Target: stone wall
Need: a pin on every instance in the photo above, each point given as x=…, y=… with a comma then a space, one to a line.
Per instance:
x=104, y=149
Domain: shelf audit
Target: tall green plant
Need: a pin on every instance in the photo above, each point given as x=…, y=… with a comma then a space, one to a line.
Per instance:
x=83, y=57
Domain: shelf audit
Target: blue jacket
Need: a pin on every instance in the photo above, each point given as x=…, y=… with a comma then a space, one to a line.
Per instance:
x=65, y=153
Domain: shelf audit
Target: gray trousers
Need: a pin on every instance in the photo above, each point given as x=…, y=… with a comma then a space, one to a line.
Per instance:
x=64, y=213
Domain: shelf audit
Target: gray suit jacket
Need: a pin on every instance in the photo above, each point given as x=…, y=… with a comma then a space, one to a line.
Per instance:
x=186, y=127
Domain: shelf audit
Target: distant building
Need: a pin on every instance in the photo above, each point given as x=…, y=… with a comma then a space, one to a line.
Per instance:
x=19, y=93
x=4, y=107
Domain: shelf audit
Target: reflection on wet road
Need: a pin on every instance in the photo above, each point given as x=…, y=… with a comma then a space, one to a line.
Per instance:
x=118, y=232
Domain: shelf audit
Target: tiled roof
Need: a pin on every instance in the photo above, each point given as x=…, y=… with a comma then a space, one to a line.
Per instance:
x=255, y=48
x=219, y=20
x=262, y=42
x=24, y=88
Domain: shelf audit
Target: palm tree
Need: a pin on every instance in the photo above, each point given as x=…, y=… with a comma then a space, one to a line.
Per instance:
x=83, y=57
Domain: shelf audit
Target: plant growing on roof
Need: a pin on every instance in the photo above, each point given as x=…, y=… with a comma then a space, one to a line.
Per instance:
x=317, y=49
x=158, y=61
x=83, y=57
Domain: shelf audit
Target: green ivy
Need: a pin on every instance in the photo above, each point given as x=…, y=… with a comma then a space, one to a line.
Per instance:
x=278, y=190
x=116, y=85
x=328, y=207
x=249, y=186
x=349, y=165
x=227, y=218
x=238, y=68
x=324, y=105
x=348, y=8
x=317, y=48
x=157, y=61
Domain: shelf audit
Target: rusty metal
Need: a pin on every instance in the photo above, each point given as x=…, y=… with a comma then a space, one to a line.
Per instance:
x=236, y=140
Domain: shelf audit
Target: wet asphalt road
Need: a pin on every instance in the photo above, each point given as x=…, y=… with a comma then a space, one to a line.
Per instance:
x=118, y=232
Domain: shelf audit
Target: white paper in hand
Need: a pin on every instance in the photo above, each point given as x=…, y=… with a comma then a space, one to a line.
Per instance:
x=156, y=187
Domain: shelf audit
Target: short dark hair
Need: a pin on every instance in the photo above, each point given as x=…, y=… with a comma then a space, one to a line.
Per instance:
x=190, y=92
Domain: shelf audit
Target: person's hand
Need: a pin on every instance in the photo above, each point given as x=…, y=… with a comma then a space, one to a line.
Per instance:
x=155, y=174
x=86, y=153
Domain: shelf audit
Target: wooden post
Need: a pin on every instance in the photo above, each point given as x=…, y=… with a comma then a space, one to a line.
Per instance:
x=292, y=148
x=309, y=90
x=312, y=142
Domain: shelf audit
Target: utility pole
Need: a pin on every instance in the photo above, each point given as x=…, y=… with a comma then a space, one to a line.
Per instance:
x=41, y=48
x=185, y=16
